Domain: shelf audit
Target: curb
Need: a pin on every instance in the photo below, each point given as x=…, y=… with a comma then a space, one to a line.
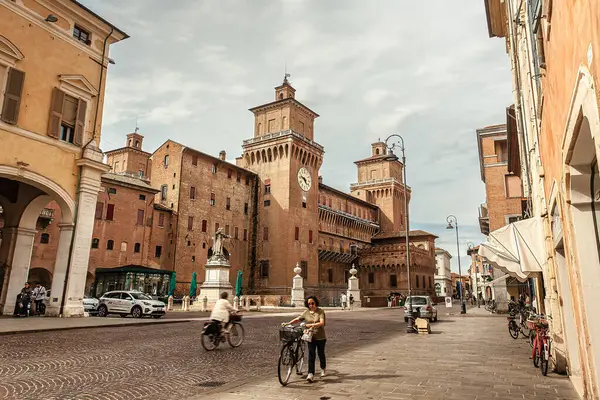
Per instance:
x=70, y=328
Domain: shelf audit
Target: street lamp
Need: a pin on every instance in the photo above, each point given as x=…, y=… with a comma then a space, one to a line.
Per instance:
x=453, y=224
x=470, y=247
x=399, y=142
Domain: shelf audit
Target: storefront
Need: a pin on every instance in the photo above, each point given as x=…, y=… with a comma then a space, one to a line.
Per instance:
x=154, y=282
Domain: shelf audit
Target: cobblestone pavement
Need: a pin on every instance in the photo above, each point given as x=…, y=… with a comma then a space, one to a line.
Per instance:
x=466, y=357
x=160, y=361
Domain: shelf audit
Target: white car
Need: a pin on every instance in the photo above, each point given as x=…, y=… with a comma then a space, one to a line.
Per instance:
x=422, y=306
x=125, y=302
x=90, y=304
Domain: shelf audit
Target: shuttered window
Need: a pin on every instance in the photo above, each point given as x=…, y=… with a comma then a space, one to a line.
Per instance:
x=140, y=217
x=67, y=118
x=12, y=96
x=99, y=209
x=110, y=212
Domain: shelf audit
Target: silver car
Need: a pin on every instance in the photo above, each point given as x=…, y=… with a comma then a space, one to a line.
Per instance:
x=126, y=302
x=90, y=304
x=423, y=306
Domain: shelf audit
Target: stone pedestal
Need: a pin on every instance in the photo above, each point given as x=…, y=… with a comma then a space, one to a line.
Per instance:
x=298, y=288
x=353, y=289
x=216, y=281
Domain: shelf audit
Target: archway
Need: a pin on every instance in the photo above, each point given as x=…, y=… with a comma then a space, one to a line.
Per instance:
x=41, y=275
x=25, y=195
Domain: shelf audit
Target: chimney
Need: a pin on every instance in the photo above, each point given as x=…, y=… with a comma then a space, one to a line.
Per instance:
x=222, y=155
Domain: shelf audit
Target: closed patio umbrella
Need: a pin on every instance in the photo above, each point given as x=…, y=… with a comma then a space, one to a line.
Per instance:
x=193, y=286
x=172, y=284
x=238, y=284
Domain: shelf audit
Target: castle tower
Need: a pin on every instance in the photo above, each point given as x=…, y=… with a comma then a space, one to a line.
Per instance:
x=287, y=160
x=131, y=159
x=380, y=182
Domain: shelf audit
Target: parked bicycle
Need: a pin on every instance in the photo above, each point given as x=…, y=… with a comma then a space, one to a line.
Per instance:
x=540, y=352
x=213, y=334
x=292, y=352
x=491, y=306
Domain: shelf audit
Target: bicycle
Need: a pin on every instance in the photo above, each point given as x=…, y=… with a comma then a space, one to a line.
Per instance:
x=213, y=335
x=292, y=352
x=491, y=306
x=540, y=351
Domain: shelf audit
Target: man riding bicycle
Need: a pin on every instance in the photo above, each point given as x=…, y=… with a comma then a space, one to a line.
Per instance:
x=220, y=312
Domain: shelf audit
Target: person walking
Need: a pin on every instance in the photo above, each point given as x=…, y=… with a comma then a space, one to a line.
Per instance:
x=389, y=300
x=314, y=317
x=343, y=300
x=351, y=301
x=38, y=295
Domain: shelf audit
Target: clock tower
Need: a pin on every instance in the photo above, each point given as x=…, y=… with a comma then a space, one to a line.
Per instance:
x=287, y=160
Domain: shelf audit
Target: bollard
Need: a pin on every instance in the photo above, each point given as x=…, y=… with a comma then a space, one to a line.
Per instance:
x=170, y=303
x=205, y=304
x=236, y=303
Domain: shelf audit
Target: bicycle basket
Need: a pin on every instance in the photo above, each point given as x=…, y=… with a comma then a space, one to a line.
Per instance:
x=289, y=334
x=235, y=318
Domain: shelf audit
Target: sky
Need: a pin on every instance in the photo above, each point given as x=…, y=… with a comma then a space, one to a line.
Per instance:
x=424, y=69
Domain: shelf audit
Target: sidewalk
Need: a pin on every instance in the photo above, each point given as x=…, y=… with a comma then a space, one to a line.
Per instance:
x=466, y=357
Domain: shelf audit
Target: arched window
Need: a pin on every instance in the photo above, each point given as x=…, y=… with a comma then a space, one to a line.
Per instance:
x=137, y=143
x=136, y=248
x=280, y=96
x=95, y=243
x=110, y=245
x=376, y=151
x=123, y=246
x=45, y=238
x=166, y=161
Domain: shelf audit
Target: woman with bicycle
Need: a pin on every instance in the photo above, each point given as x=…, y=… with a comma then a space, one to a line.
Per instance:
x=314, y=318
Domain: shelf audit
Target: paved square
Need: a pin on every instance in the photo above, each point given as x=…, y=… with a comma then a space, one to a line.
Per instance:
x=465, y=357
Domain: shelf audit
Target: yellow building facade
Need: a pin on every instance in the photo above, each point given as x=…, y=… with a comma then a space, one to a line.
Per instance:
x=53, y=65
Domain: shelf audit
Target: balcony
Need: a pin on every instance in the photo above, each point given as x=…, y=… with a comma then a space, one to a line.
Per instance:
x=276, y=135
x=484, y=219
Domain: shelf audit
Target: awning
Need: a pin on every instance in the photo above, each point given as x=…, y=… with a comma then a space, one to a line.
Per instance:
x=516, y=249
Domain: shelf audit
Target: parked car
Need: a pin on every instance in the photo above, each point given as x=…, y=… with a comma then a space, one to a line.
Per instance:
x=132, y=303
x=90, y=304
x=423, y=306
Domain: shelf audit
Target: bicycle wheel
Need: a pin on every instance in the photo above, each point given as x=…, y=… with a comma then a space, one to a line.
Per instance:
x=300, y=357
x=513, y=329
x=236, y=335
x=545, y=357
x=209, y=342
x=536, y=354
x=285, y=365
x=531, y=338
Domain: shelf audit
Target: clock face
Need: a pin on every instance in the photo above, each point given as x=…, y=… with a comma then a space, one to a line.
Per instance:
x=304, y=179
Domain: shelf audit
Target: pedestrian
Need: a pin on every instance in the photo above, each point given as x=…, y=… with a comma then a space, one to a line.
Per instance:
x=314, y=318
x=351, y=300
x=38, y=295
x=343, y=300
x=389, y=300
x=25, y=300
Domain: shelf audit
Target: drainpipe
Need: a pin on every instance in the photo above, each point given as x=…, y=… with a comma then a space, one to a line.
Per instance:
x=64, y=293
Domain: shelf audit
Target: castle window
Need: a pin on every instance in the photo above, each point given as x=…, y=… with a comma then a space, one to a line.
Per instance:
x=394, y=281
x=110, y=244
x=95, y=243
x=137, y=247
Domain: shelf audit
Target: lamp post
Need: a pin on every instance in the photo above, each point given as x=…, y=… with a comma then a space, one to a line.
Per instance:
x=470, y=246
x=453, y=224
x=399, y=142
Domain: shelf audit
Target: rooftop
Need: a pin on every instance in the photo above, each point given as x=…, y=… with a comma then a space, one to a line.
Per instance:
x=401, y=234
x=129, y=180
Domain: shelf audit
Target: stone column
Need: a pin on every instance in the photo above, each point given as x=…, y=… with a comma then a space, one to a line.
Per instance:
x=89, y=186
x=60, y=269
x=9, y=237
x=298, y=288
x=18, y=266
x=353, y=288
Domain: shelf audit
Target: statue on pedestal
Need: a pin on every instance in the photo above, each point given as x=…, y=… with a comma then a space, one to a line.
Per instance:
x=217, y=248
